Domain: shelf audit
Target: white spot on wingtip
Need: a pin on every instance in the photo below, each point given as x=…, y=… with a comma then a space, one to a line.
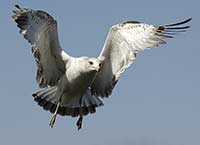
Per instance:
x=23, y=32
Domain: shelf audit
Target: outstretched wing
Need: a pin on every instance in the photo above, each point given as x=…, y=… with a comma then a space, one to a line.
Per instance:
x=40, y=29
x=123, y=42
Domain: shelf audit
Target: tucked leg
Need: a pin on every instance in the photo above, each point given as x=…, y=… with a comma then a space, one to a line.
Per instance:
x=53, y=118
x=79, y=122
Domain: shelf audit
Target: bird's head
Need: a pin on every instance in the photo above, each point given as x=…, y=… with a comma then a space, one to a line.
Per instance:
x=93, y=64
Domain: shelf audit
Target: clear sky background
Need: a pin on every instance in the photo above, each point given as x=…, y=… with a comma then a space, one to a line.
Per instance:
x=156, y=101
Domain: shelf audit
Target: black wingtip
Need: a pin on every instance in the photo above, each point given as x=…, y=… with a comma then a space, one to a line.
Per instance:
x=17, y=6
x=34, y=95
x=176, y=28
x=168, y=31
x=179, y=23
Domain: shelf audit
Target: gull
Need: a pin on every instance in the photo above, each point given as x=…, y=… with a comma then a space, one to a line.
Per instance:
x=75, y=86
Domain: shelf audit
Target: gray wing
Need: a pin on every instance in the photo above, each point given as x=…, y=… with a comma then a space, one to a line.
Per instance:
x=123, y=42
x=40, y=29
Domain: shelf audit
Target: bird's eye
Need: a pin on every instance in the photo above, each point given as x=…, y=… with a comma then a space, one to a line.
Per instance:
x=100, y=65
x=91, y=63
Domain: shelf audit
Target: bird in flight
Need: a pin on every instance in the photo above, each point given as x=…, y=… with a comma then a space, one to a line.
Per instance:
x=75, y=86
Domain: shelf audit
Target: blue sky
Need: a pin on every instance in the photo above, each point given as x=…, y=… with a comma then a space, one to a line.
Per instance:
x=156, y=101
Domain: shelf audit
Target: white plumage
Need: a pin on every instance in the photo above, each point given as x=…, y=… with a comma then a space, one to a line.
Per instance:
x=72, y=85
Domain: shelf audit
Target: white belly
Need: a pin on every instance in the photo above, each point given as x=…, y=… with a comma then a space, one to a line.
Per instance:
x=75, y=87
